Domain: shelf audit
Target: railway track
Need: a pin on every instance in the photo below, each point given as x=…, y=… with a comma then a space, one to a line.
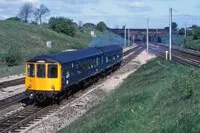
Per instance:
x=12, y=100
x=12, y=83
x=23, y=118
x=177, y=55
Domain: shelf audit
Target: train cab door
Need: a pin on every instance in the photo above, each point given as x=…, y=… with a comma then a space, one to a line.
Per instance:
x=40, y=80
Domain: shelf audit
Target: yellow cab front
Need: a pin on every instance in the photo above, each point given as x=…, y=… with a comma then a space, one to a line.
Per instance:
x=43, y=76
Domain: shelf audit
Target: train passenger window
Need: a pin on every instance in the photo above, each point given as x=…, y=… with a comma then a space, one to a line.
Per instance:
x=41, y=70
x=73, y=72
x=107, y=60
x=31, y=70
x=97, y=62
x=67, y=74
x=52, y=71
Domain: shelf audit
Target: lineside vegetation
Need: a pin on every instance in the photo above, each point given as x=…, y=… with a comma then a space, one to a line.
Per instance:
x=160, y=96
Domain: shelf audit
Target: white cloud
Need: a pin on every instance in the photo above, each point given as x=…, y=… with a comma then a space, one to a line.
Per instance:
x=2, y=10
x=18, y=1
x=2, y=16
x=137, y=4
x=30, y=1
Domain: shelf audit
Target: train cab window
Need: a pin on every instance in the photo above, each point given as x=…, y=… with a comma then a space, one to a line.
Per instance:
x=41, y=70
x=31, y=70
x=52, y=71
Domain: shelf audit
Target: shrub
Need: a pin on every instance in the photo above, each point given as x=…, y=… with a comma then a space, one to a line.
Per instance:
x=13, y=56
x=101, y=26
x=13, y=19
x=62, y=25
x=195, y=37
x=196, y=33
x=182, y=31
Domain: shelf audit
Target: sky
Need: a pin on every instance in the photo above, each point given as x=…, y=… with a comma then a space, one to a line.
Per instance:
x=115, y=13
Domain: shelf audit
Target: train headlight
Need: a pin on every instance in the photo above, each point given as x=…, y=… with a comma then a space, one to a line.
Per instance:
x=31, y=96
x=29, y=86
x=53, y=87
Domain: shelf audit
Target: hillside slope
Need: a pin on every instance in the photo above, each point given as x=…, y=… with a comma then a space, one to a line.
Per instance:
x=32, y=38
x=159, y=97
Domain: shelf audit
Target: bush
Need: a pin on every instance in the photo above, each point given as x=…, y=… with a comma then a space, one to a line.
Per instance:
x=196, y=33
x=182, y=31
x=62, y=25
x=13, y=19
x=101, y=26
x=13, y=56
x=195, y=37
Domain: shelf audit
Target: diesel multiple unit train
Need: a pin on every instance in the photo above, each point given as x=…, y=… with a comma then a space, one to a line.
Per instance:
x=51, y=74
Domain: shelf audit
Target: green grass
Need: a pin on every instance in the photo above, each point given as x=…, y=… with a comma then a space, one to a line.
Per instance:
x=176, y=40
x=179, y=41
x=7, y=71
x=192, y=44
x=31, y=39
x=159, y=97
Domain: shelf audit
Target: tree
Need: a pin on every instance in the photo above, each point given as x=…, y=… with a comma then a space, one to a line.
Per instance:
x=174, y=26
x=80, y=24
x=13, y=19
x=62, y=25
x=41, y=13
x=182, y=31
x=194, y=26
x=166, y=28
x=101, y=26
x=26, y=12
x=196, y=33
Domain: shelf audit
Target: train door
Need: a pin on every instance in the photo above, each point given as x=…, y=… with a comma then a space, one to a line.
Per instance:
x=66, y=75
x=40, y=80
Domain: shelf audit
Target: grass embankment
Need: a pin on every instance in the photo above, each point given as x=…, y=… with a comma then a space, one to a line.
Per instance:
x=179, y=41
x=31, y=40
x=159, y=97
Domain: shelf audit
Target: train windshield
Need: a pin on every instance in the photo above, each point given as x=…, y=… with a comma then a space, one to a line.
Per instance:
x=31, y=68
x=41, y=70
x=52, y=71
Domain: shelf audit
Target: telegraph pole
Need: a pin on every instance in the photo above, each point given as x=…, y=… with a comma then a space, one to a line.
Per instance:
x=185, y=30
x=170, y=33
x=124, y=35
x=128, y=37
x=147, y=35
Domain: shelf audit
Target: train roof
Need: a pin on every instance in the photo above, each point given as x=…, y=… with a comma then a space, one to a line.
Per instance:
x=111, y=48
x=69, y=56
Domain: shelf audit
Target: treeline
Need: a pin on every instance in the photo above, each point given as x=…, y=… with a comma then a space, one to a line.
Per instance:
x=36, y=15
x=193, y=31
